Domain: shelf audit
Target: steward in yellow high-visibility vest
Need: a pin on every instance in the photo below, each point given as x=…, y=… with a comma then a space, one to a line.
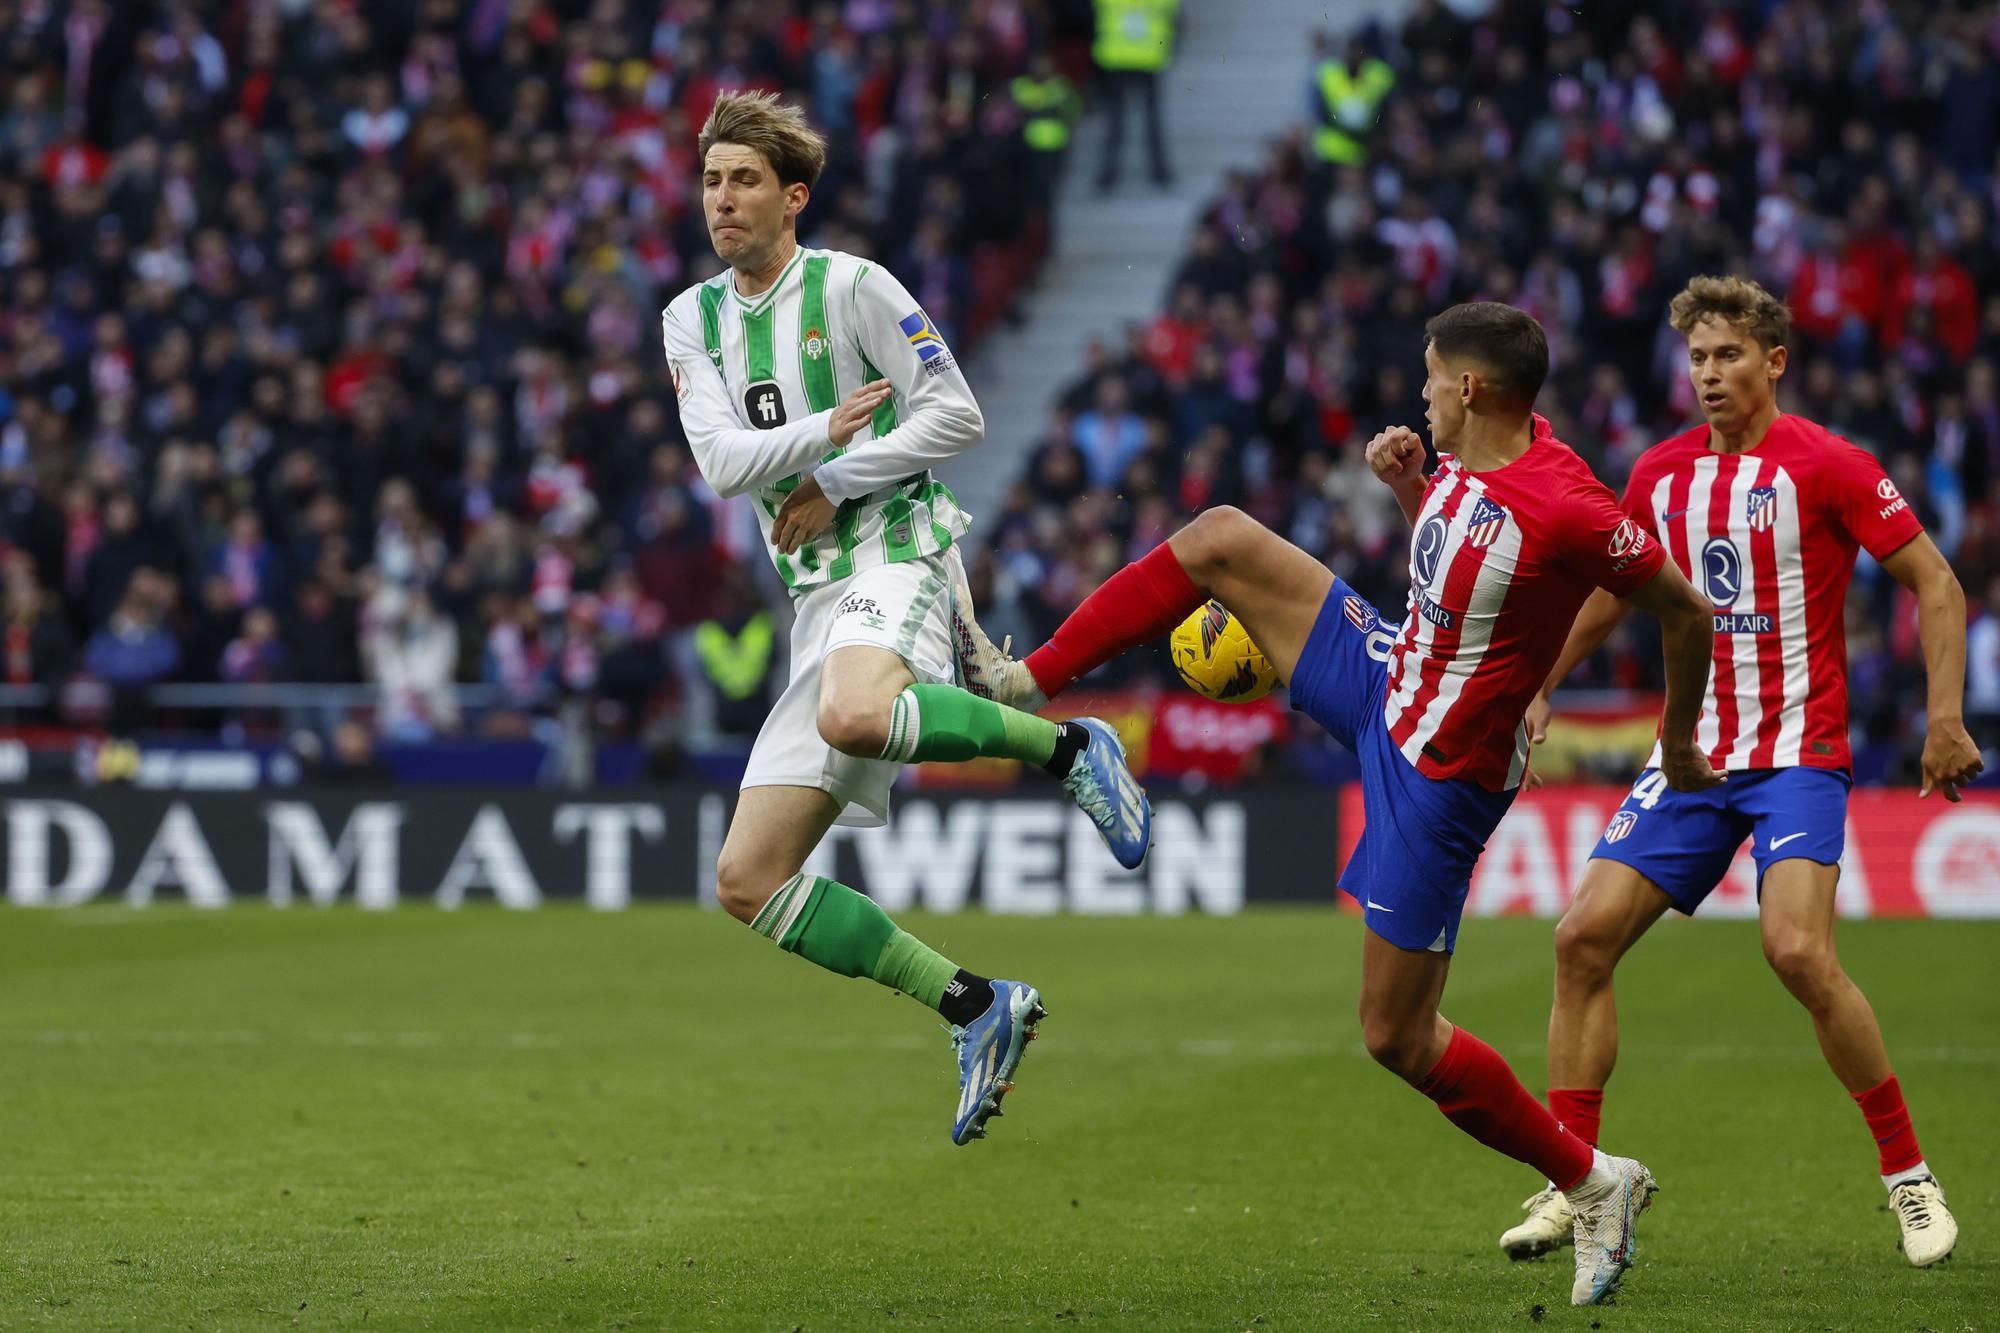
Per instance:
x=1049, y=107
x=1135, y=41
x=1135, y=34
x=737, y=663
x=1350, y=96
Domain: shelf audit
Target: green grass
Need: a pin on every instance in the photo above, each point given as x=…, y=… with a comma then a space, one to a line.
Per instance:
x=559, y=1120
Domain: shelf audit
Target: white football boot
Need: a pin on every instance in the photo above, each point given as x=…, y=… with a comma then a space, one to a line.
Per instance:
x=1607, y=1205
x=1548, y=1226
x=1929, y=1229
x=985, y=670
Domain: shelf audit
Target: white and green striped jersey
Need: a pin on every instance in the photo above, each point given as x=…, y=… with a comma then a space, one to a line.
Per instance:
x=757, y=379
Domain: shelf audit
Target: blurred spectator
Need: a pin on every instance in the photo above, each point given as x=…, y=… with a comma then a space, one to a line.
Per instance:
x=256, y=657
x=134, y=650
x=1982, y=669
x=39, y=646
x=412, y=653
x=351, y=760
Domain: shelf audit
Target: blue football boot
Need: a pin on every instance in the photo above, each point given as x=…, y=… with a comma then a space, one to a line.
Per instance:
x=1101, y=784
x=989, y=1051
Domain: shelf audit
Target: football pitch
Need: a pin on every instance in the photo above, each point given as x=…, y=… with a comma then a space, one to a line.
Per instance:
x=274, y=1119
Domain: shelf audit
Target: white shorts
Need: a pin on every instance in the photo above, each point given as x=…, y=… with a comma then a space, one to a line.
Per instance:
x=905, y=607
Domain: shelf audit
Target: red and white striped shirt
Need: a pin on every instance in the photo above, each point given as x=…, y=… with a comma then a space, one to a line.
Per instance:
x=1500, y=562
x=1770, y=535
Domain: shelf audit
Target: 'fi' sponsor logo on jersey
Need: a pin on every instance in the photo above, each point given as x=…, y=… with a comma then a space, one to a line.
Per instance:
x=1620, y=825
x=1485, y=524
x=1761, y=507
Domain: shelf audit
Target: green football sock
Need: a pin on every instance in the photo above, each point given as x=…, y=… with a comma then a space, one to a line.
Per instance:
x=826, y=922
x=945, y=722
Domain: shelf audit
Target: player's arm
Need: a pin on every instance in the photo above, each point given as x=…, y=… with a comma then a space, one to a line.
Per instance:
x=734, y=459
x=1601, y=614
x=1950, y=758
x=1397, y=458
x=941, y=418
x=1602, y=543
x=1687, y=632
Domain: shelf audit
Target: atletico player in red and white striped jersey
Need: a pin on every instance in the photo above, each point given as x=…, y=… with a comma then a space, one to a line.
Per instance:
x=1509, y=537
x=1499, y=563
x=1765, y=512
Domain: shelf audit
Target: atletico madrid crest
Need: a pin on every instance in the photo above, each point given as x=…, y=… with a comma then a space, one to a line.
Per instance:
x=1762, y=507
x=1485, y=524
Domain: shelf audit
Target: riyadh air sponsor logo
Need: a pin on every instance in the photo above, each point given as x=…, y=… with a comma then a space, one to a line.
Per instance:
x=1722, y=572
x=1430, y=610
x=1427, y=548
x=1621, y=824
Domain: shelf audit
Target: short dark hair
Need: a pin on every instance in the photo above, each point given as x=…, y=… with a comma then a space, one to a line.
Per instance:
x=1738, y=302
x=1507, y=343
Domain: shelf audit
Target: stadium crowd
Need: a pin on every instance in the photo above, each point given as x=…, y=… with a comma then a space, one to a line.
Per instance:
x=1581, y=163
x=329, y=332
x=328, y=342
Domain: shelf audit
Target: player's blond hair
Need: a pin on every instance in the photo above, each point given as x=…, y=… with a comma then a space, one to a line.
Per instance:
x=1738, y=302
x=777, y=132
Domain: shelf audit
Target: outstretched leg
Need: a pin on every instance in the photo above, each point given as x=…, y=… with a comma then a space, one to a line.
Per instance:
x=872, y=707
x=1270, y=585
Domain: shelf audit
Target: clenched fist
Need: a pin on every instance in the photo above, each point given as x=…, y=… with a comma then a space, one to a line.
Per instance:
x=1397, y=456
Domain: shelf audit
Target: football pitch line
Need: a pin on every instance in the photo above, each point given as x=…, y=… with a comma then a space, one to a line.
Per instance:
x=1215, y=1048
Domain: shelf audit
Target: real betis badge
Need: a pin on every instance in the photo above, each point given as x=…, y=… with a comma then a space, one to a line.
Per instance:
x=813, y=344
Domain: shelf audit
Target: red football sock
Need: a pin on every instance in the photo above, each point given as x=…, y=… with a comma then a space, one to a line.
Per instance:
x=1889, y=1121
x=1579, y=1110
x=1142, y=601
x=1477, y=1092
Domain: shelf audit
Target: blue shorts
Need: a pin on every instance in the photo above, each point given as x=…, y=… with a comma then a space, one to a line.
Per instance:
x=1684, y=840
x=1413, y=865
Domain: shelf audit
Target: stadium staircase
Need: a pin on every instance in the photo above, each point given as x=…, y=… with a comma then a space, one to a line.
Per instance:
x=1240, y=78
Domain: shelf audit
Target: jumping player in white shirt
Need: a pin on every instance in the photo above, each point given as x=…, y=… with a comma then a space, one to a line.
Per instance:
x=811, y=381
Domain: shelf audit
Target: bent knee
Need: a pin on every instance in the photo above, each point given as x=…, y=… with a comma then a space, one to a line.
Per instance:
x=852, y=728
x=1395, y=1045
x=1585, y=951
x=1203, y=546
x=1808, y=969
x=743, y=885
